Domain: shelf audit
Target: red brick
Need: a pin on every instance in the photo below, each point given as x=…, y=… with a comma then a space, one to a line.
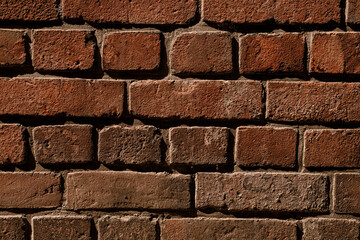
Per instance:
x=313, y=101
x=61, y=50
x=130, y=145
x=61, y=97
x=133, y=12
x=278, y=11
x=61, y=227
x=207, y=52
x=347, y=193
x=127, y=190
x=227, y=228
x=330, y=228
x=335, y=53
x=266, y=147
x=12, y=227
x=197, y=99
x=28, y=10
x=132, y=51
x=353, y=11
x=12, y=144
x=12, y=48
x=198, y=145
x=67, y=144
x=279, y=192
x=127, y=227
x=275, y=53
x=29, y=190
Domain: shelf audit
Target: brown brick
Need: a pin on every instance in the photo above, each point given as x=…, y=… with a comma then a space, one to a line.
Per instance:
x=12, y=48
x=347, y=193
x=313, y=101
x=127, y=227
x=61, y=97
x=197, y=99
x=132, y=51
x=28, y=10
x=130, y=145
x=335, y=53
x=127, y=190
x=61, y=227
x=353, y=11
x=278, y=11
x=12, y=144
x=133, y=12
x=328, y=228
x=61, y=50
x=279, y=192
x=275, y=53
x=198, y=145
x=67, y=144
x=12, y=227
x=207, y=52
x=227, y=228
x=29, y=190
x=266, y=147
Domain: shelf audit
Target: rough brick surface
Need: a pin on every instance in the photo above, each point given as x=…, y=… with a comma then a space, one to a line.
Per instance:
x=197, y=99
x=278, y=11
x=353, y=11
x=208, y=52
x=12, y=144
x=347, y=193
x=198, y=145
x=130, y=145
x=30, y=190
x=61, y=97
x=127, y=227
x=12, y=48
x=313, y=102
x=12, y=227
x=69, y=144
x=266, y=147
x=61, y=227
x=227, y=228
x=289, y=192
x=275, y=53
x=59, y=50
x=104, y=190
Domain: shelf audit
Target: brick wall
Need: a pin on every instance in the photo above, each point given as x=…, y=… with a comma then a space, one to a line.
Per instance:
x=179, y=119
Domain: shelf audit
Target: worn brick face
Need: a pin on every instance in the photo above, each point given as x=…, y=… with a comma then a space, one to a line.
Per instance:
x=12, y=48
x=12, y=227
x=347, y=192
x=353, y=11
x=12, y=144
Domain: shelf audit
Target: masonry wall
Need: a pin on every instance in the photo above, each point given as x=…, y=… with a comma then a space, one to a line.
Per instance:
x=179, y=119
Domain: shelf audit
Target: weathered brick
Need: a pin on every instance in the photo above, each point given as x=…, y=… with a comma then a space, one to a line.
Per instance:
x=12, y=227
x=227, y=228
x=279, y=192
x=12, y=144
x=313, y=101
x=207, y=52
x=278, y=11
x=335, y=53
x=266, y=147
x=29, y=190
x=198, y=145
x=197, y=99
x=330, y=228
x=133, y=12
x=61, y=227
x=272, y=53
x=127, y=227
x=353, y=11
x=132, y=51
x=108, y=190
x=130, y=145
x=63, y=144
x=61, y=97
x=347, y=193
x=12, y=48
x=62, y=50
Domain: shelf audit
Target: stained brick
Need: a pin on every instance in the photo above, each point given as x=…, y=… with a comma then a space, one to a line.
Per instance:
x=12, y=227
x=12, y=48
x=12, y=144
x=353, y=11
x=347, y=193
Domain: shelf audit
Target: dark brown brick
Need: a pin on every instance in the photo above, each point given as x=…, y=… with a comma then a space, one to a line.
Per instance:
x=207, y=52
x=266, y=147
x=278, y=192
x=63, y=144
x=12, y=144
x=130, y=145
x=313, y=101
x=12, y=227
x=347, y=193
x=197, y=99
x=12, y=48
x=353, y=11
x=127, y=190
